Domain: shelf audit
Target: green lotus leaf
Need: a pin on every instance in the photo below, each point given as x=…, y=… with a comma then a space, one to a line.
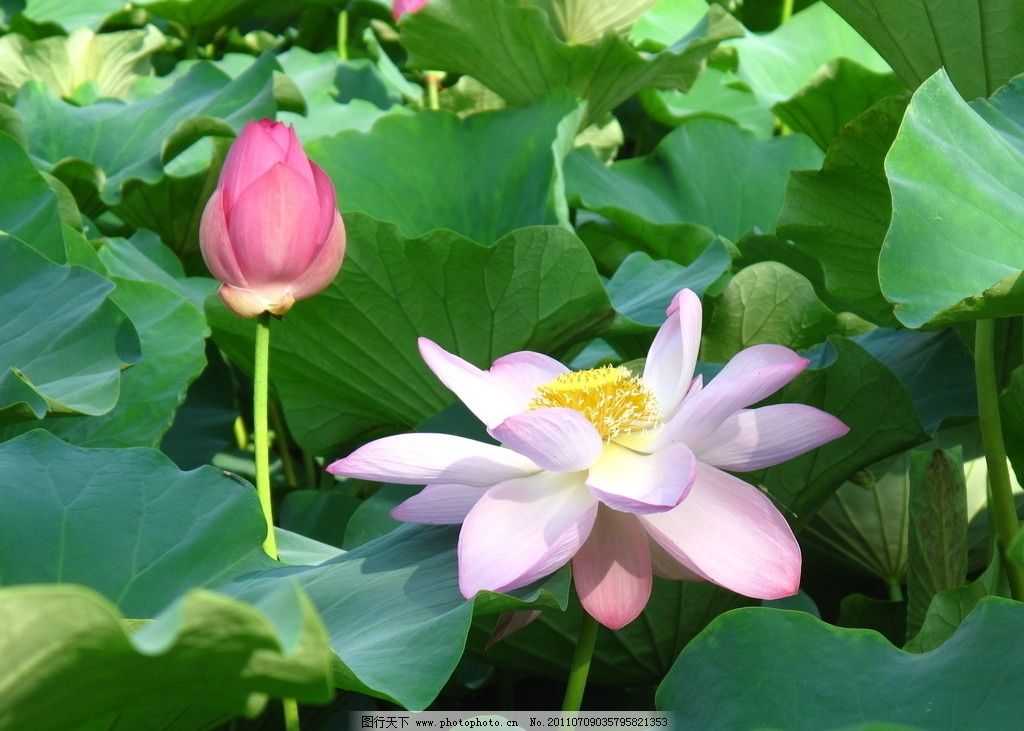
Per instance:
x=63, y=341
x=488, y=40
x=109, y=63
x=70, y=660
x=953, y=250
x=975, y=42
x=707, y=172
x=745, y=669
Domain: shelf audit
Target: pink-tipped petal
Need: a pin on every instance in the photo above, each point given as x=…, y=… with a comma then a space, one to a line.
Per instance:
x=522, y=530
x=282, y=134
x=325, y=266
x=642, y=483
x=326, y=199
x=495, y=394
x=752, y=375
x=420, y=459
x=755, y=438
x=560, y=440
x=731, y=533
x=612, y=572
x=215, y=243
x=253, y=153
x=295, y=157
x=673, y=354
x=273, y=227
x=439, y=504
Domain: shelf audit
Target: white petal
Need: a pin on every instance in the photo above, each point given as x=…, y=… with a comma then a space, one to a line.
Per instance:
x=495, y=394
x=642, y=483
x=419, y=459
x=560, y=440
x=756, y=438
x=522, y=530
x=439, y=504
x=673, y=354
x=752, y=375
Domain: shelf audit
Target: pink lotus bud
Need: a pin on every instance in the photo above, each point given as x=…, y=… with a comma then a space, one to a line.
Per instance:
x=401, y=7
x=271, y=231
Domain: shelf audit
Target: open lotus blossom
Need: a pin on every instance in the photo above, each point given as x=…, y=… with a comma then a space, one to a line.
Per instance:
x=625, y=476
x=271, y=231
x=401, y=7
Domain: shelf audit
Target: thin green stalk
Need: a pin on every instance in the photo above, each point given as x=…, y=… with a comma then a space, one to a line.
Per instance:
x=580, y=668
x=260, y=404
x=241, y=435
x=1001, y=508
x=433, y=79
x=291, y=714
x=895, y=591
x=787, y=11
x=343, y=35
x=283, y=448
x=261, y=367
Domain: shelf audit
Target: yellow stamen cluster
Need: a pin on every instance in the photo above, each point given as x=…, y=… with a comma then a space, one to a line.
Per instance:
x=611, y=398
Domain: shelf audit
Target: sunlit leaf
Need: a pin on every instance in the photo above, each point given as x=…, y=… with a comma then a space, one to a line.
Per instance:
x=953, y=251
x=747, y=667
x=72, y=663
x=488, y=39
x=462, y=170
x=707, y=172
x=108, y=62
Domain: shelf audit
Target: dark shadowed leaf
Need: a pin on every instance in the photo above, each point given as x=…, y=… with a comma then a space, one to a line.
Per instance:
x=638, y=654
x=937, y=547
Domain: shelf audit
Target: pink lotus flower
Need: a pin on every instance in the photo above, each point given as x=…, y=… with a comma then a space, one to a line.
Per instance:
x=401, y=7
x=271, y=231
x=624, y=476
